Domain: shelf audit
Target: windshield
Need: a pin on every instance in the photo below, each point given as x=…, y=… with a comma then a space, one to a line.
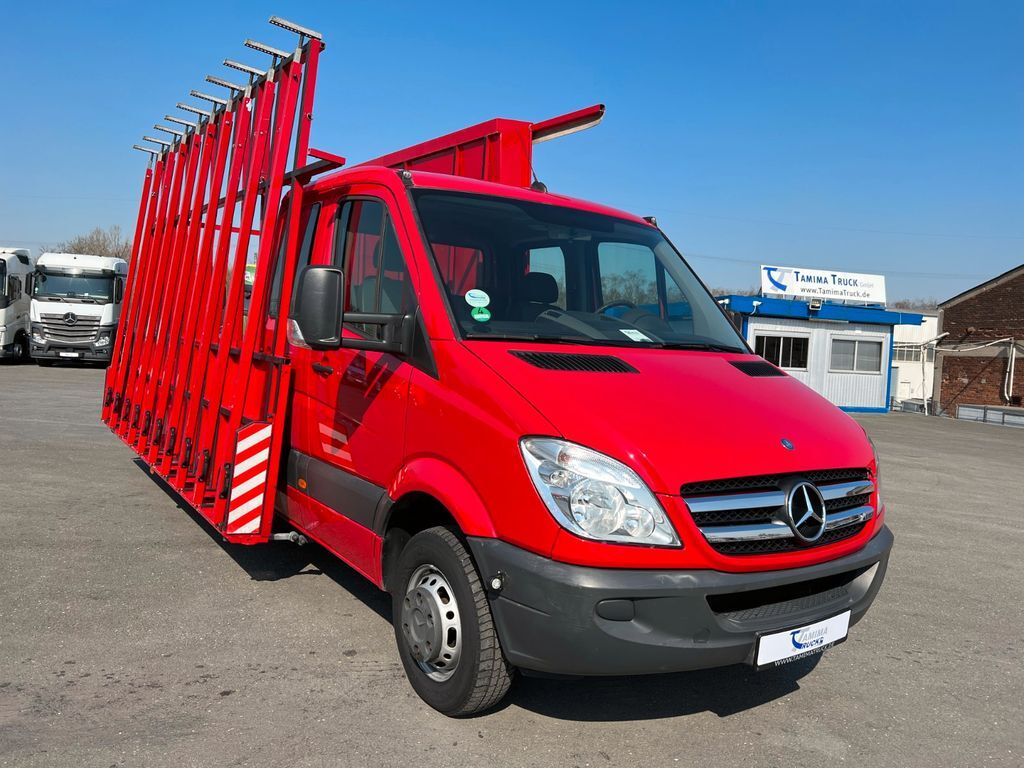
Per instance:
x=528, y=271
x=90, y=289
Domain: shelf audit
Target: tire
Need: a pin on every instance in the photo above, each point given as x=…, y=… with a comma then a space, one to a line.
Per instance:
x=24, y=357
x=433, y=561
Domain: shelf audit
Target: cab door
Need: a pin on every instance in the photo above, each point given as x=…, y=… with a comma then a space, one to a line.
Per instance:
x=358, y=398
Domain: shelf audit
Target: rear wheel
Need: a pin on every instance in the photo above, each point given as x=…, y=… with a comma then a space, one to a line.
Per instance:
x=446, y=636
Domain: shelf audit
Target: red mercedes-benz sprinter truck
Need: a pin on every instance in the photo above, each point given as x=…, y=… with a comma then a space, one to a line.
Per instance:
x=521, y=414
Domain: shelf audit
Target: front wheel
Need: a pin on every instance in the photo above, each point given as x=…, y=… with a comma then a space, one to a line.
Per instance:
x=446, y=636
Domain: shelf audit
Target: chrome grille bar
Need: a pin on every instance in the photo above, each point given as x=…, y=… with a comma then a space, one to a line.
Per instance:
x=736, y=501
x=849, y=517
x=761, y=515
x=842, y=490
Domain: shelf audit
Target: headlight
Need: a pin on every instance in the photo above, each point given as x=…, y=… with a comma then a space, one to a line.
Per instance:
x=37, y=335
x=104, y=339
x=595, y=496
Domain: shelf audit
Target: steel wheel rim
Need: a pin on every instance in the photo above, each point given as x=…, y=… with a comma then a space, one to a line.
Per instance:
x=431, y=623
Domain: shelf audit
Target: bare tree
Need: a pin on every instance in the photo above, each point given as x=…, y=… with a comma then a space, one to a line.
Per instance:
x=99, y=242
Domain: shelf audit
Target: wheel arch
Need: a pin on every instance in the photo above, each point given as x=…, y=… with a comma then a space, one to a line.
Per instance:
x=426, y=493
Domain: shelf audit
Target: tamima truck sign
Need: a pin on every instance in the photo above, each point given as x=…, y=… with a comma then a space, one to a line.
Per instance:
x=822, y=284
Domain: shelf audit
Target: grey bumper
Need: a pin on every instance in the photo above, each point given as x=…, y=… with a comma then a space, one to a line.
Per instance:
x=567, y=619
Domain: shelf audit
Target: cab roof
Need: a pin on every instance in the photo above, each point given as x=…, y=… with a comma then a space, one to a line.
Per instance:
x=450, y=182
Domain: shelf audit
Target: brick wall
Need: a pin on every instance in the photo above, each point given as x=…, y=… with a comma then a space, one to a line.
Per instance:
x=977, y=380
x=994, y=314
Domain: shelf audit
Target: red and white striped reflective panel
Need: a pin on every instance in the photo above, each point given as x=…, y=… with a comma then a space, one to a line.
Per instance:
x=249, y=478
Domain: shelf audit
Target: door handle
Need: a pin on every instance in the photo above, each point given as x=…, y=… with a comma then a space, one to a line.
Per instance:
x=326, y=370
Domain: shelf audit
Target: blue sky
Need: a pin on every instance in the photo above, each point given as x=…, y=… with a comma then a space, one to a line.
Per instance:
x=871, y=137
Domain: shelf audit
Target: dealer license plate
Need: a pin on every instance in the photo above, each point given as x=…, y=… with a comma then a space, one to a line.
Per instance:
x=69, y=354
x=783, y=647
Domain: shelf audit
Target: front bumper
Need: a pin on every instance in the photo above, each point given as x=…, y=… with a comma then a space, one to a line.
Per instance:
x=57, y=351
x=567, y=619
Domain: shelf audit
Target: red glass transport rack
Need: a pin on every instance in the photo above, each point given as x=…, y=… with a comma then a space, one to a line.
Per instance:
x=199, y=382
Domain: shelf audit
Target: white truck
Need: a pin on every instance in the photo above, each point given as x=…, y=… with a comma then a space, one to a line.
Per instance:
x=76, y=305
x=16, y=266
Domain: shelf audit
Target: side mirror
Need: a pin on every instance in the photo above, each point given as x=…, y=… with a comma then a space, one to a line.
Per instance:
x=118, y=289
x=319, y=312
x=30, y=283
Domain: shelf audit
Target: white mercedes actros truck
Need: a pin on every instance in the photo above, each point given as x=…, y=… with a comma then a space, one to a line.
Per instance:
x=76, y=304
x=16, y=266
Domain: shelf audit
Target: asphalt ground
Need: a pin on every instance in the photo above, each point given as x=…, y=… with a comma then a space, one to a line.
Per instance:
x=131, y=636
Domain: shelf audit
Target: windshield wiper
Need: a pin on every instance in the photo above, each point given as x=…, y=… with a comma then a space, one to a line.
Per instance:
x=534, y=337
x=699, y=345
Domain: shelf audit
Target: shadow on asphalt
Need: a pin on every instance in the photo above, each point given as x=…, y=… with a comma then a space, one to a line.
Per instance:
x=282, y=560
x=723, y=691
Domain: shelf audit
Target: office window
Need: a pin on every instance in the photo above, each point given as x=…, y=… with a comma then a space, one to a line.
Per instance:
x=784, y=351
x=856, y=355
x=906, y=352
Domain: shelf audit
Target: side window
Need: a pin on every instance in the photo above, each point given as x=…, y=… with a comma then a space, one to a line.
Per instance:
x=549, y=261
x=301, y=262
x=857, y=355
x=366, y=248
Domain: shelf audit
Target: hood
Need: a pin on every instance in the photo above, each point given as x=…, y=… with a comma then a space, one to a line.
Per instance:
x=685, y=416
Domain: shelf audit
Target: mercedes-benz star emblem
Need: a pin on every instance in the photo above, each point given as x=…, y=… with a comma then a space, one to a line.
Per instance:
x=70, y=318
x=805, y=509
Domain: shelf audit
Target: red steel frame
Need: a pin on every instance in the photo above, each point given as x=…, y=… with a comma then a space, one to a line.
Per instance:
x=198, y=385
x=196, y=379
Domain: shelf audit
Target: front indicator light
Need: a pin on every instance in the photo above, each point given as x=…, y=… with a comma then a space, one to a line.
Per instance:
x=595, y=496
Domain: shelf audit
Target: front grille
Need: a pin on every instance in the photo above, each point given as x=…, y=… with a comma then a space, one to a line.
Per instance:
x=774, y=546
x=779, y=601
x=747, y=515
x=759, y=482
x=83, y=331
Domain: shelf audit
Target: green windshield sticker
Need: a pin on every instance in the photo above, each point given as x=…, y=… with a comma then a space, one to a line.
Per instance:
x=480, y=314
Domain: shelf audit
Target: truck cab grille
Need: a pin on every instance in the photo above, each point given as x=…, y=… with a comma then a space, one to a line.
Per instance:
x=82, y=331
x=748, y=516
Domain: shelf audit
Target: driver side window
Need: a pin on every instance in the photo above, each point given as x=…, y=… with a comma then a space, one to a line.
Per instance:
x=376, y=276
